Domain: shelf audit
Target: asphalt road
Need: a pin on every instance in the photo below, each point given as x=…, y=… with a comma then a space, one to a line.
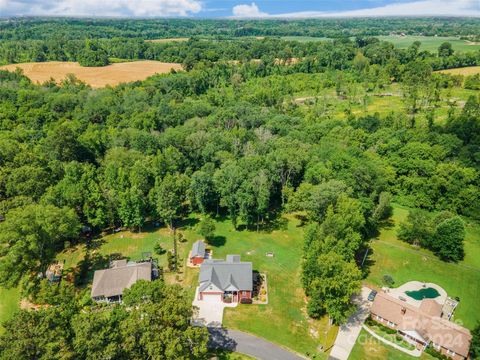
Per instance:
x=234, y=340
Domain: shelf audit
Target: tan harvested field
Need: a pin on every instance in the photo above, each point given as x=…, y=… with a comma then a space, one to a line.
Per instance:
x=96, y=77
x=168, y=40
x=470, y=70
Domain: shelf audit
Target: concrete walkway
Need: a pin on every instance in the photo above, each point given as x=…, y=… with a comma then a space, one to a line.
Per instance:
x=234, y=340
x=415, y=352
x=347, y=336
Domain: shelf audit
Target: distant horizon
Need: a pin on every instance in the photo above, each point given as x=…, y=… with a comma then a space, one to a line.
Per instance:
x=239, y=9
x=230, y=18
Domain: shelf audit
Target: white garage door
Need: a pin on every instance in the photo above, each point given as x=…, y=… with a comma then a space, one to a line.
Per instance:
x=212, y=298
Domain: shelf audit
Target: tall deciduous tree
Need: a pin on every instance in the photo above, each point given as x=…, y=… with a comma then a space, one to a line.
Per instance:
x=170, y=196
x=30, y=237
x=334, y=283
x=448, y=239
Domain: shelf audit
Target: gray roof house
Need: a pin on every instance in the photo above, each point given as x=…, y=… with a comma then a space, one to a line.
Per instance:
x=108, y=284
x=198, y=249
x=229, y=280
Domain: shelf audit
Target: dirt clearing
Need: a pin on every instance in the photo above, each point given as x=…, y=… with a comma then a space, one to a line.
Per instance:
x=96, y=77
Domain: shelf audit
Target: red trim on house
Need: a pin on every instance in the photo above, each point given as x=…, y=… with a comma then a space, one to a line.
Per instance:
x=242, y=294
x=196, y=260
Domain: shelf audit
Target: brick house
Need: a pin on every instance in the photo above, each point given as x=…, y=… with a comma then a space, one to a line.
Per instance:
x=229, y=280
x=422, y=325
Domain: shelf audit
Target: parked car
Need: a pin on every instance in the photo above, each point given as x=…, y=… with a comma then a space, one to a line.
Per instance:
x=372, y=295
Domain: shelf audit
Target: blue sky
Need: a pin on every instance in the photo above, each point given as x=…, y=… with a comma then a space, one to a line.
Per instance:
x=240, y=8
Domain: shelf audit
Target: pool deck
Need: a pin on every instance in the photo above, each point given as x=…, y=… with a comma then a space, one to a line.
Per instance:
x=399, y=292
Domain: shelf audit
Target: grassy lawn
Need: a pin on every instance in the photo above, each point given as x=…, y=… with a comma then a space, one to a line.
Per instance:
x=394, y=338
x=405, y=263
x=283, y=320
x=367, y=347
x=9, y=303
x=430, y=43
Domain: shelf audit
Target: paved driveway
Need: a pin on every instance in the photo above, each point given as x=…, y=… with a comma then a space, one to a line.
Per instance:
x=210, y=311
x=234, y=340
x=347, y=336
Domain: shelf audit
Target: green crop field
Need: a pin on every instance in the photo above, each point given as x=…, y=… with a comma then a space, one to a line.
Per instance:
x=430, y=43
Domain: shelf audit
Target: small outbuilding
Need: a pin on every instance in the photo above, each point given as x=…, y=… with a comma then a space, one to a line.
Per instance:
x=198, y=253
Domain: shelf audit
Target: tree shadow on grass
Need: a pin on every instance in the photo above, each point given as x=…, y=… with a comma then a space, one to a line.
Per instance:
x=90, y=263
x=368, y=261
x=302, y=218
x=217, y=241
x=187, y=223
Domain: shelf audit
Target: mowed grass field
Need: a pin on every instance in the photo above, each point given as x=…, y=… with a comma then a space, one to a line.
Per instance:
x=367, y=347
x=96, y=77
x=168, y=40
x=465, y=71
x=405, y=263
x=430, y=43
x=283, y=320
x=9, y=303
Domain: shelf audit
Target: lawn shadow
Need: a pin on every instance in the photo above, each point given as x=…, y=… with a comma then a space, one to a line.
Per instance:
x=302, y=218
x=90, y=263
x=387, y=224
x=217, y=241
x=278, y=223
x=366, y=260
x=96, y=242
x=187, y=223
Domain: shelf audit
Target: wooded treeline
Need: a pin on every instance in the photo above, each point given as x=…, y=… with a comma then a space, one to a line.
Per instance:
x=307, y=57
x=38, y=28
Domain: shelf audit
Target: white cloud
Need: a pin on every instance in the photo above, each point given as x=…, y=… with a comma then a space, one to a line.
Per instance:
x=137, y=8
x=248, y=11
x=413, y=8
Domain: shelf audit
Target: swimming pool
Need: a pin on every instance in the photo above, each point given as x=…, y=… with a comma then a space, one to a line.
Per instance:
x=425, y=293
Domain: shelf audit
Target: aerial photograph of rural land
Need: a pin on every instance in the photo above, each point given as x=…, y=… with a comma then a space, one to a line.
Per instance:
x=239, y=180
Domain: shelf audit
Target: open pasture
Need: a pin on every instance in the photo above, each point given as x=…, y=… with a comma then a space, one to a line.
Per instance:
x=465, y=71
x=96, y=77
x=168, y=40
x=430, y=43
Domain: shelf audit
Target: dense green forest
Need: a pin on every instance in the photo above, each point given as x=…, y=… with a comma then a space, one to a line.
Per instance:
x=37, y=28
x=227, y=139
